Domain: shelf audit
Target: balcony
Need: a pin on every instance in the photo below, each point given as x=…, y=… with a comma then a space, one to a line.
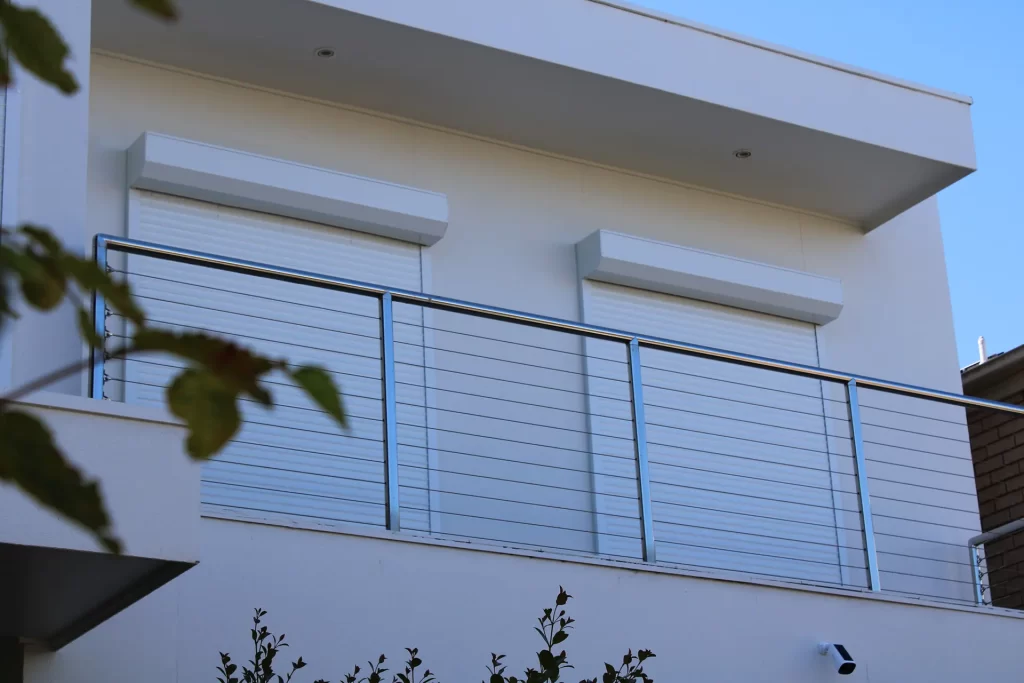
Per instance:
x=502, y=430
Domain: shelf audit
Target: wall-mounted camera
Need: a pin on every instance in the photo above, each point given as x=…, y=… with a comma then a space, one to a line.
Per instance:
x=840, y=657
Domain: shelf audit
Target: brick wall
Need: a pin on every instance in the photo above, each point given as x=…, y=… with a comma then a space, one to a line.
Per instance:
x=997, y=448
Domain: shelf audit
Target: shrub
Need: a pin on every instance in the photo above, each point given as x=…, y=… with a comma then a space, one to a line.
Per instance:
x=554, y=627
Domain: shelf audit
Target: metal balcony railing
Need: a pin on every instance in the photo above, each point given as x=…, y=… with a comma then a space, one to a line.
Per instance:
x=486, y=425
x=996, y=561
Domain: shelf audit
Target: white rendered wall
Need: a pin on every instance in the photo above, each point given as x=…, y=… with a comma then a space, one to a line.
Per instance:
x=515, y=218
x=516, y=215
x=51, y=184
x=151, y=489
x=342, y=600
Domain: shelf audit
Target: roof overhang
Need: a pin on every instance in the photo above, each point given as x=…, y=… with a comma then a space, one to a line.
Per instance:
x=592, y=80
x=979, y=379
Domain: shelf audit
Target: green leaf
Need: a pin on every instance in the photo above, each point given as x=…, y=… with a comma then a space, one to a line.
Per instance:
x=208, y=408
x=31, y=460
x=91, y=278
x=238, y=368
x=262, y=396
x=6, y=310
x=320, y=387
x=43, y=285
x=34, y=42
x=42, y=237
x=87, y=330
x=163, y=9
x=196, y=347
x=86, y=272
x=5, y=69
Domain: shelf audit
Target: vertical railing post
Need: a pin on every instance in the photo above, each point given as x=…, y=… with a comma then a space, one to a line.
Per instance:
x=99, y=321
x=862, y=486
x=387, y=355
x=979, y=597
x=643, y=476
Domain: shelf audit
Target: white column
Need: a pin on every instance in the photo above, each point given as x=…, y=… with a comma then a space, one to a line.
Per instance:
x=50, y=182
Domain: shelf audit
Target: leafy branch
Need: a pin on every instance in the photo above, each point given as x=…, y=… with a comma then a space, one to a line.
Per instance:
x=27, y=35
x=205, y=395
x=37, y=270
x=554, y=629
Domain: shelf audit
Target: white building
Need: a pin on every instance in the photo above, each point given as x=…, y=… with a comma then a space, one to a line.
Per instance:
x=583, y=161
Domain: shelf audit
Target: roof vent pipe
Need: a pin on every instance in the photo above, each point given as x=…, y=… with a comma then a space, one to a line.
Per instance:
x=982, y=351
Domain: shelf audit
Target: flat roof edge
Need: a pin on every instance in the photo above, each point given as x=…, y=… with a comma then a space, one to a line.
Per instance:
x=779, y=49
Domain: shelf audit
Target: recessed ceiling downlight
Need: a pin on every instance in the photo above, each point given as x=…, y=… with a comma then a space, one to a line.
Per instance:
x=743, y=154
x=325, y=52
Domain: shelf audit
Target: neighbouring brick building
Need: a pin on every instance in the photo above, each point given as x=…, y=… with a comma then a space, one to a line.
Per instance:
x=997, y=447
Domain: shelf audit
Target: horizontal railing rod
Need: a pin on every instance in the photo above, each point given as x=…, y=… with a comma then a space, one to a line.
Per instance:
x=198, y=258
x=997, y=533
x=242, y=266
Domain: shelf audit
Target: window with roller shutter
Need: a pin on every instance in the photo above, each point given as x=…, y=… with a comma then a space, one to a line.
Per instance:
x=743, y=472
x=290, y=465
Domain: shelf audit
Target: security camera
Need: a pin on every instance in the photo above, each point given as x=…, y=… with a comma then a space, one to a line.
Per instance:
x=840, y=657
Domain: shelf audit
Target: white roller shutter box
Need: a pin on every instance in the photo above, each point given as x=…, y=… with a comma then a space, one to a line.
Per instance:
x=290, y=465
x=742, y=472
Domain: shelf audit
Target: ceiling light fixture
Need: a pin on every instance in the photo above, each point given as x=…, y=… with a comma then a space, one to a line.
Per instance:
x=325, y=52
x=743, y=154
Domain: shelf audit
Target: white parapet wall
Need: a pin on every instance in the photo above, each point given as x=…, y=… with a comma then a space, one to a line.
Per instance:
x=150, y=487
x=344, y=599
x=58, y=583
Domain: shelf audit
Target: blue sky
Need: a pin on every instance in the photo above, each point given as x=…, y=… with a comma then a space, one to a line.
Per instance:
x=970, y=47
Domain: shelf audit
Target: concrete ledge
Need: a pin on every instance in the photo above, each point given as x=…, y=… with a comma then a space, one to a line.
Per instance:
x=249, y=181
x=150, y=485
x=660, y=267
x=92, y=406
x=633, y=566
x=57, y=583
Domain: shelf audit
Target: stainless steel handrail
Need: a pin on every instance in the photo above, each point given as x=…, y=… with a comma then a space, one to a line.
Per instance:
x=388, y=296
x=130, y=246
x=981, y=539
